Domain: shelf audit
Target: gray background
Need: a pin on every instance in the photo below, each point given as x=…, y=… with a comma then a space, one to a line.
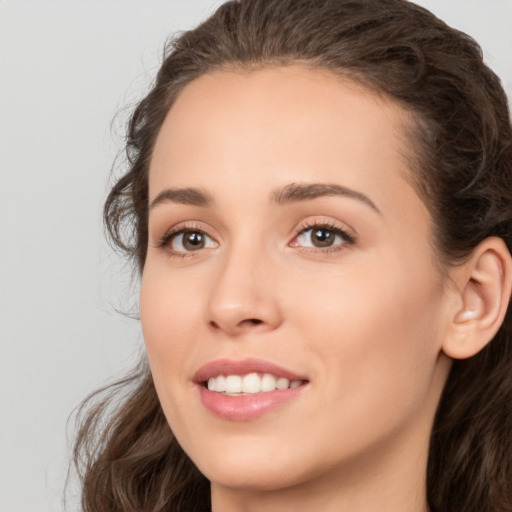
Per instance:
x=66, y=69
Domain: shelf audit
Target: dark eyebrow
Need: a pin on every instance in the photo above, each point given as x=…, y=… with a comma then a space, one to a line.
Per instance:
x=190, y=196
x=294, y=192
x=304, y=192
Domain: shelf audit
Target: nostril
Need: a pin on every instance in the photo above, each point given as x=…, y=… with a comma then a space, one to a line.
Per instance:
x=253, y=321
x=247, y=323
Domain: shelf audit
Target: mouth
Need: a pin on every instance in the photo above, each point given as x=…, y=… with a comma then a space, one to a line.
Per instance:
x=245, y=390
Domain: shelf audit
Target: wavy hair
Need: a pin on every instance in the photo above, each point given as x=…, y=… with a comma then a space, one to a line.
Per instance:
x=125, y=452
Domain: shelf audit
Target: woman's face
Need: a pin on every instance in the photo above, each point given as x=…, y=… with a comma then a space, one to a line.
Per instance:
x=289, y=254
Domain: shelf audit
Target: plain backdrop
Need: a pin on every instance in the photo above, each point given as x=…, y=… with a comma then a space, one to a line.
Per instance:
x=66, y=69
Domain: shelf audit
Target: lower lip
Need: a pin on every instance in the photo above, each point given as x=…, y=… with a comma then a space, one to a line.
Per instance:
x=246, y=407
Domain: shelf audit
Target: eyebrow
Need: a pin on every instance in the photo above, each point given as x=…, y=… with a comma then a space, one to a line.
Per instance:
x=292, y=193
x=296, y=192
x=189, y=196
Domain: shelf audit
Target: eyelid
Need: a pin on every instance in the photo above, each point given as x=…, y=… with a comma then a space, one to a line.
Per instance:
x=182, y=227
x=345, y=233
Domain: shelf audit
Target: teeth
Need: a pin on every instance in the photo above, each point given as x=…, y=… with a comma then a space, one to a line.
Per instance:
x=268, y=382
x=250, y=383
x=233, y=384
x=220, y=383
x=282, y=383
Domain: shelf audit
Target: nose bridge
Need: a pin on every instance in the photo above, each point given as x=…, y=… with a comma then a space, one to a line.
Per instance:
x=243, y=296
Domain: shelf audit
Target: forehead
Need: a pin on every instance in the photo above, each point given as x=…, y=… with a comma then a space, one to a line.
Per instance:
x=279, y=125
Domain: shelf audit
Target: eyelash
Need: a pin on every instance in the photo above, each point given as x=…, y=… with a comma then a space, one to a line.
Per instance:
x=174, y=232
x=348, y=239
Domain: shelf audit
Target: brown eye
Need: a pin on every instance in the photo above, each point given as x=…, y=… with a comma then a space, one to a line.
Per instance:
x=193, y=240
x=188, y=241
x=322, y=237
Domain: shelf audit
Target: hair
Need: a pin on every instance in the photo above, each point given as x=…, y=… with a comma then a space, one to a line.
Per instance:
x=126, y=455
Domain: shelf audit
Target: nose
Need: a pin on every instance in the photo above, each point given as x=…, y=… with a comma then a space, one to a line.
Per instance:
x=243, y=299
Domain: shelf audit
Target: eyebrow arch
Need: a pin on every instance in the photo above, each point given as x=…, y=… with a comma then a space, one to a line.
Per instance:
x=295, y=192
x=292, y=193
x=189, y=196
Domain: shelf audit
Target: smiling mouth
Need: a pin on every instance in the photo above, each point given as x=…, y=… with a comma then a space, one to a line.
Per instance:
x=244, y=390
x=250, y=384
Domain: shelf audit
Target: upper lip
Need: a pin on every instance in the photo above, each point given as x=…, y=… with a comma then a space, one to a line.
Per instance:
x=243, y=367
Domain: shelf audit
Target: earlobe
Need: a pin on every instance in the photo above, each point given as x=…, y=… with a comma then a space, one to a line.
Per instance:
x=484, y=286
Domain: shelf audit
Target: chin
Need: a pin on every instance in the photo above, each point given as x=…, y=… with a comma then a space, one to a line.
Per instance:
x=258, y=481
x=251, y=473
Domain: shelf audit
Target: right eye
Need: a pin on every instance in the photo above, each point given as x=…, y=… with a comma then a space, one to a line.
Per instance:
x=188, y=240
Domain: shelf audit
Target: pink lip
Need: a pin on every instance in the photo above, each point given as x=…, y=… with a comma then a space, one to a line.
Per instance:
x=231, y=367
x=244, y=407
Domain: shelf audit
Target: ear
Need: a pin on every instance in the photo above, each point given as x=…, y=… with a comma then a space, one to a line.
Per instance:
x=482, y=286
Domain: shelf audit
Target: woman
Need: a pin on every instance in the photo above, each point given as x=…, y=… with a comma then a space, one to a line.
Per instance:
x=318, y=199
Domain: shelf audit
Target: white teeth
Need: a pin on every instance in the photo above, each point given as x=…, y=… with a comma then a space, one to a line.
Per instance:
x=233, y=384
x=250, y=383
x=220, y=383
x=217, y=383
x=282, y=383
x=268, y=382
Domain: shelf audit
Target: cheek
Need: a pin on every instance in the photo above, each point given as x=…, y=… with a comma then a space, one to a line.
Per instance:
x=374, y=354
x=169, y=317
x=375, y=335
x=367, y=305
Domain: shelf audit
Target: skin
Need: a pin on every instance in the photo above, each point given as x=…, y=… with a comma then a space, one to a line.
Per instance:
x=364, y=320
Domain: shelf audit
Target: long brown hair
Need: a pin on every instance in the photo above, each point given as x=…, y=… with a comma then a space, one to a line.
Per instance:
x=125, y=451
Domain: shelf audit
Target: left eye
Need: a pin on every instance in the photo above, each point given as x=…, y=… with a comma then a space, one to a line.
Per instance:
x=187, y=241
x=321, y=236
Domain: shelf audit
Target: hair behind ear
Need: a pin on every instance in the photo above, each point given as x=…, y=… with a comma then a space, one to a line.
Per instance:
x=471, y=444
